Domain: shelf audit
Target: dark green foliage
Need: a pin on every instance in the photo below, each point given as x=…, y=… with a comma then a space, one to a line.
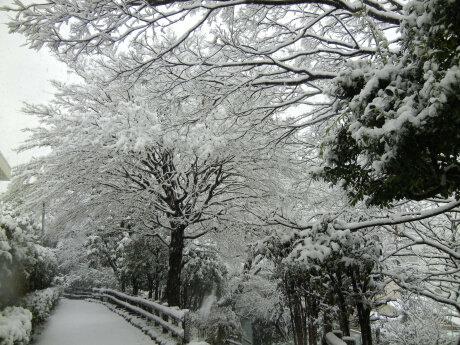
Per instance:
x=25, y=265
x=138, y=261
x=399, y=131
x=145, y=263
x=203, y=274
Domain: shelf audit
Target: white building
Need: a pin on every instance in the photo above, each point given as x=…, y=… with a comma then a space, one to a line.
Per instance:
x=5, y=169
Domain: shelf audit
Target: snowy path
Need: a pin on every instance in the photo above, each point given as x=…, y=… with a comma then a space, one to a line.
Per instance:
x=77, y=322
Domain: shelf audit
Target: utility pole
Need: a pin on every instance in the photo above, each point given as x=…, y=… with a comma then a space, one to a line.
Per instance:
x=43, y=219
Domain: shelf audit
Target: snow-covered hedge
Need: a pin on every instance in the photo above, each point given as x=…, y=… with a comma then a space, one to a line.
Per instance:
x=15, y=326
x=40, y=303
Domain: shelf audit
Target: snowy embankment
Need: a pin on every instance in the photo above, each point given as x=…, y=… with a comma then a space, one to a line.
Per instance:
x=16, y=322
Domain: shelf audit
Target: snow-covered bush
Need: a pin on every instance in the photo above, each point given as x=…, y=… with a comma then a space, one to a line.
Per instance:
x=25, y=265
x=86, y=277
x=15, y=326
x=41, y=302
x=216, y=325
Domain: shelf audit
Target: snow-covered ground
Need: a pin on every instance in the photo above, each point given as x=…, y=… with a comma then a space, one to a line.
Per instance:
x=78, y=322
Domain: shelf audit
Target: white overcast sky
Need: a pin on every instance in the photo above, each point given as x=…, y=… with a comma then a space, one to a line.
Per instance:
x=24, y=77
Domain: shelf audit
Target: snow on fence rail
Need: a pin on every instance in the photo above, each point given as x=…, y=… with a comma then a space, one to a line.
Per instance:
x=335, y=338
x=233, y=342
x=172, y=319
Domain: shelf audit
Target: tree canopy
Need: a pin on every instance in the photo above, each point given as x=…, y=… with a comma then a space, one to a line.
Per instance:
x=388, y=98
x=397, y=134
x=278, y=122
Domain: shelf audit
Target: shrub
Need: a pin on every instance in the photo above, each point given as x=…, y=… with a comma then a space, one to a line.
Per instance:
x=15, y=326
x=25, y=265
x=220, y=324
x=40, y=303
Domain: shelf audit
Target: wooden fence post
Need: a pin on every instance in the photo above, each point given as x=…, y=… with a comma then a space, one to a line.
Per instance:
x=186, y=327
x=166, y=318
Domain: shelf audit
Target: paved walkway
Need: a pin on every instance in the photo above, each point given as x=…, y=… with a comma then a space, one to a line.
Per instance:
x=78, y=322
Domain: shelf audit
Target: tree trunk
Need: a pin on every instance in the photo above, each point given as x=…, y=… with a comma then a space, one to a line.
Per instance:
x=364, y=314
x=300, y=327
x=294, y=304
x=150, y=283
x=344, y=323
x=364, y=311
x=312, y=313
x=157, y=290
x=327, y=320
x=173, y=283
x=135, y=287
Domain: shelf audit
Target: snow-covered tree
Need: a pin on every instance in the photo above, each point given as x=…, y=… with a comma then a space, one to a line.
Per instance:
x=146, y=261
x=422, y=257
x=325, y=275
x=417, y=321
x=137, y=261
x=116, y=152
x=256, y=296
x=281, y=54
x=381, y=102
x=396, y=135
x=203, y=275
x=388, y=97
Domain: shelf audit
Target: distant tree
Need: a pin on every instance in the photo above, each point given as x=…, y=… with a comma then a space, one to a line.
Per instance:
x=146, y=261
x=109, y=251
x=256, y=296
x=75, y=268
x=417, y=321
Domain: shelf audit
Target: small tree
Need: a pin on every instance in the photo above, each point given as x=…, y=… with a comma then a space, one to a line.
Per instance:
x=325, y=274
x=145, y=261
x=203, y=275
x=25, y=265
